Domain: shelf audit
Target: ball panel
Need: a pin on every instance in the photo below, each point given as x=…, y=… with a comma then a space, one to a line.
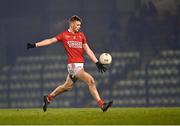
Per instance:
x=105, y=58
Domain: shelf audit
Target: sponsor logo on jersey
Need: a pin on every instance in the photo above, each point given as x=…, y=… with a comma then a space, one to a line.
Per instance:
x=74, y=44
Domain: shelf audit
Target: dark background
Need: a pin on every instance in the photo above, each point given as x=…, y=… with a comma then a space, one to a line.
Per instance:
x=143, y=36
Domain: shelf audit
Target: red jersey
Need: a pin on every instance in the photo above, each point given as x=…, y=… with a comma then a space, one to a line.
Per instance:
x=73, y=44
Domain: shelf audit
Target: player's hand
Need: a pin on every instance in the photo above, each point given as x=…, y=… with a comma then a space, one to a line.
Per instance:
x=31, y=45
x=101, y=67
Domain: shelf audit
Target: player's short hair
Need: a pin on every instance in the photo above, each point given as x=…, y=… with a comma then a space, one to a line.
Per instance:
x=75, y=18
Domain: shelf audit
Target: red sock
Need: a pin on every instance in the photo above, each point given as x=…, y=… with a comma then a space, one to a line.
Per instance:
x=100, y=103
x=50, y=98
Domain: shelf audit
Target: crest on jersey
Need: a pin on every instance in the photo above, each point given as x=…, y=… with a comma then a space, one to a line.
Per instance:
x=67, y=36
x=80, y=37
x=74, y=37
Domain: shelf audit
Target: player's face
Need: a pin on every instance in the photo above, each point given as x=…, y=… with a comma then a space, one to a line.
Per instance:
x=76, y=25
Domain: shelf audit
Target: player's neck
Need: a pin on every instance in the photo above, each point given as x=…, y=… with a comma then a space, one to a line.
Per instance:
x=71, y=31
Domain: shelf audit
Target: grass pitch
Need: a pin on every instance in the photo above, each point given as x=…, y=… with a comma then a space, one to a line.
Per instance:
x=90, y=116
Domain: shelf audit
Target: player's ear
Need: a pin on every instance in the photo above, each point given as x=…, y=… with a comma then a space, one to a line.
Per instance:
x=70, y=23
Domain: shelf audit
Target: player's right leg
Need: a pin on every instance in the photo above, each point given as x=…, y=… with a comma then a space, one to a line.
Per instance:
x=68, y=85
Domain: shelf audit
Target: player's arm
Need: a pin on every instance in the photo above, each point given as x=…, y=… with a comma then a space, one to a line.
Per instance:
x=92, y=56
x=45, y=42
x=90, y=53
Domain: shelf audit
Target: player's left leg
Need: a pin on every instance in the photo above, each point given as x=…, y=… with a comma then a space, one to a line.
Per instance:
x=89, y=80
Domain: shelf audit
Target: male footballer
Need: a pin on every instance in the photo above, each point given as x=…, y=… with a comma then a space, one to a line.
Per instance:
x=75, y=45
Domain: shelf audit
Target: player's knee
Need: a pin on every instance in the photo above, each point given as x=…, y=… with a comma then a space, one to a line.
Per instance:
x=91, y=82
x=68, y=87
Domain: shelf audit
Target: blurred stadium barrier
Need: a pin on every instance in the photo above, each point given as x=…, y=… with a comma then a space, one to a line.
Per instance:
x=130, y=81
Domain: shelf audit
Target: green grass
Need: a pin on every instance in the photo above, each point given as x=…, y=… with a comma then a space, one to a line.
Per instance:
x=125, y=116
